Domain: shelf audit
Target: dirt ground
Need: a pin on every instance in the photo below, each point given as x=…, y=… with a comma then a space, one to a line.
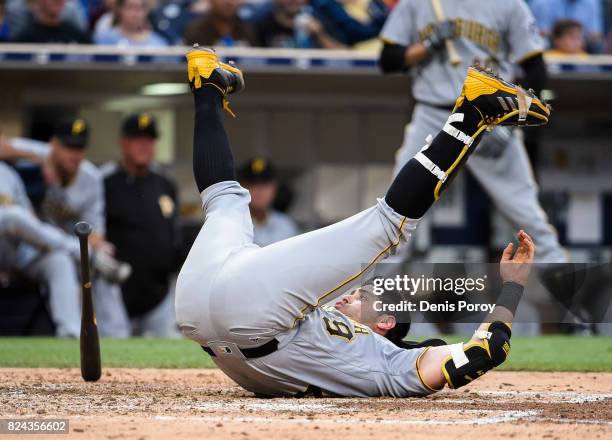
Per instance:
x=151, y=404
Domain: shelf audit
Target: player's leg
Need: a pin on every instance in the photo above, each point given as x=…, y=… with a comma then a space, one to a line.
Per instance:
x=57, y=270
x=227, y=222
x=111, y=314
x=17, y=221
x=282, y=282
x=457, y=365
x=510, y=183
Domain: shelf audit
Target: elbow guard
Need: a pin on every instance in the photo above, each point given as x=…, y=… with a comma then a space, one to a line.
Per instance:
x=392, y=58
x=471, y=361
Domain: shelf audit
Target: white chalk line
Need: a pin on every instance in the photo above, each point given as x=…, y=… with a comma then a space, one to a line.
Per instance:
x=506, y=416
x=562, y=396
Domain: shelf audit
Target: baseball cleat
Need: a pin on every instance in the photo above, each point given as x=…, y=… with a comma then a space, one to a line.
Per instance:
x=501, y=102
x=205, y=69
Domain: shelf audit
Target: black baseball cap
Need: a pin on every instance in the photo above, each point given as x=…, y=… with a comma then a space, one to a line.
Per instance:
x=140, y=124
x=257, y=170
x=72, y=132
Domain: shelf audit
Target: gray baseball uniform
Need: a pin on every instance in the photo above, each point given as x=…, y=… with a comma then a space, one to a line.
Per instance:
x=41, y=251
x=83, y=199
x=233, y=294
x=495, y=33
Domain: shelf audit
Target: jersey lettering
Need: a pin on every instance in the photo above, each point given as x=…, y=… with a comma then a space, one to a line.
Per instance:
x=338, y=329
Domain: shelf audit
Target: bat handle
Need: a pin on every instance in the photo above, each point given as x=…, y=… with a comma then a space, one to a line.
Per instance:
x=83, y=230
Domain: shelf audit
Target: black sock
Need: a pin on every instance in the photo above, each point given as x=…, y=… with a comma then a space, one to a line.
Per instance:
x=412, y=192
x=213, y=161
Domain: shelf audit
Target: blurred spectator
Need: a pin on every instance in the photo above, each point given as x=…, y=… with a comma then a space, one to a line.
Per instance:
x=104, y=18
x=171, y=17
x=142, y=223
x=220, y=26
x=5, y=33
x=567, y=38
x=132, y=28
x=47, y=25
x=586, y=12
x=269, y=226
x=290, y=23
x=351, y=21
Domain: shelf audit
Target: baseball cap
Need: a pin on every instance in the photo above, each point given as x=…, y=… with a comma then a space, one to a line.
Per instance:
x=72, y=132
x=257, y=170
x=140, y=124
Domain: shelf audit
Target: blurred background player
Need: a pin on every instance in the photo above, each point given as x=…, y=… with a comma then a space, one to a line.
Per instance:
x=142, y=224
x=74, y=191
x=414, y=41
x=39, y=252
x=258, y=175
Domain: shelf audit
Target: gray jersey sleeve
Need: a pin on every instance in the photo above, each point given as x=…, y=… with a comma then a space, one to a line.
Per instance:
x=399, y=27
x=12, y=190
x=40, y=149
x=522, y=34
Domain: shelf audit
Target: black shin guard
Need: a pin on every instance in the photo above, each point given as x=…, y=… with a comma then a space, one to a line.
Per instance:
x=213, y=161
x=419, y=182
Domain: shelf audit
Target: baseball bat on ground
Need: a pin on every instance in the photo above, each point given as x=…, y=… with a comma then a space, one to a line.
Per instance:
x=453, y=55
x=91, y=368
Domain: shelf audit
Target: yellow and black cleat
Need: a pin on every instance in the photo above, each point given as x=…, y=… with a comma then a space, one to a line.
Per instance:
x=501, y=102
x=205, y=69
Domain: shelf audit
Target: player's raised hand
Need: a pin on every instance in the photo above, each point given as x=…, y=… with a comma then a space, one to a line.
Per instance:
x=515, y=266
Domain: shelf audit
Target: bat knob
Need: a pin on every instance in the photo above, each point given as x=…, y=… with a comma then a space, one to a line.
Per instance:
x=82, y=229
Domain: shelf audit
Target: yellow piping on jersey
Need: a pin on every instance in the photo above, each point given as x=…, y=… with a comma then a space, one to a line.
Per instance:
x=418, y=370
x=357, y=275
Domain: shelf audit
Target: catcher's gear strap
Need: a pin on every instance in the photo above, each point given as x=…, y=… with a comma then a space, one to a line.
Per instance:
x=455, y=132
x=431, y=167
x=470, y=361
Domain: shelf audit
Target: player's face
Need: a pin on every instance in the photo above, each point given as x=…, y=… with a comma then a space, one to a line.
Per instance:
x=138, y=151
x=359, y=306
x=67, y=159
x=262, y=195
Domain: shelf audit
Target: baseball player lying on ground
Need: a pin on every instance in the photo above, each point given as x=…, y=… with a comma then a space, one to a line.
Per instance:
x=257, y=311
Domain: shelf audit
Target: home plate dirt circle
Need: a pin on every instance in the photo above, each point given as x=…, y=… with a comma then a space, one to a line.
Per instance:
x=153, y=403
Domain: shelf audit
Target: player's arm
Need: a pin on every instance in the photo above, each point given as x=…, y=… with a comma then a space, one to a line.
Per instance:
x=526, y=44
x=535, y=74
x=401, y=47
x=398, y=58
x=395, y=57
x=21, y=148
x=459, y=364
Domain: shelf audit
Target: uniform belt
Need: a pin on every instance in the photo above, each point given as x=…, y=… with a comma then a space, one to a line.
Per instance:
x=448, y=107
x=255, y=352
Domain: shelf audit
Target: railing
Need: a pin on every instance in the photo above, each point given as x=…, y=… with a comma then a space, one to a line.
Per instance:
x=20, y=56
